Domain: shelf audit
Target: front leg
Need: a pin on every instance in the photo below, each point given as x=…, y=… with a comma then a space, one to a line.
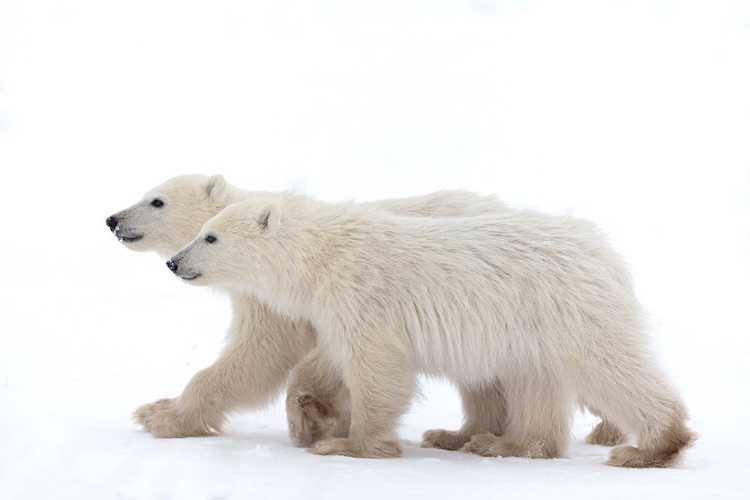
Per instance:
x=186, y=415
x=381, y=382
x=261, y=350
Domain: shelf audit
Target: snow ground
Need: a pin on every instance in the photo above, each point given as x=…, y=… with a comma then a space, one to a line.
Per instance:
x=633, y=114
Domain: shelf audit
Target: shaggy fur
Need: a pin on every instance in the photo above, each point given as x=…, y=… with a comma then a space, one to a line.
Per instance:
x=537, y=302
x=263, y=346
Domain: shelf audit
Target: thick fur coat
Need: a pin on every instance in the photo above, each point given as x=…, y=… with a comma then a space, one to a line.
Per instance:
x=536, y=304
x=264, y=348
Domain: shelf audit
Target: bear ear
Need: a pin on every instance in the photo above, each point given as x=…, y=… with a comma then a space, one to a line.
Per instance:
x=215, y=185
x=269, y=218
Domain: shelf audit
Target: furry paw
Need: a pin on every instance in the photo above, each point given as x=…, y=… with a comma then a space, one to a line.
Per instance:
x=628, y=456
x=349, y=448
x=489, y=445
x=310, y=419
x=444, y=440
x=486, y=445
x=163, y=419
x=605, y=434
x=664, y=452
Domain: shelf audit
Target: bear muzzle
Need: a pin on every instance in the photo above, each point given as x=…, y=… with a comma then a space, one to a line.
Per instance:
x=182, y=273
x=125, y=235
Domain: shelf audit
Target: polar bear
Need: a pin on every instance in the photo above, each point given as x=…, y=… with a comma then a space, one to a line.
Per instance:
x=263, y=347
x=538, y=303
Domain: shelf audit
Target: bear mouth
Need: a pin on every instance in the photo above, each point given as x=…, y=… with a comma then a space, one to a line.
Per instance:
x=126, y=239
x=190, y=278
x=127, y=235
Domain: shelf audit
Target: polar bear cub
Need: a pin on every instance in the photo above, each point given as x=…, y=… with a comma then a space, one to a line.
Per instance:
x=264, y=347
x=540, y=303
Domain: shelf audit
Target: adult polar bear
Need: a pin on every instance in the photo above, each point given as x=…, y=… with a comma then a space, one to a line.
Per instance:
x=538, y=302
x=262, y=346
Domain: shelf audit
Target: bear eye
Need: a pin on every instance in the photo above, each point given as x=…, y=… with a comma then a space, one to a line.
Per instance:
x=157, y=203
x=210, y=238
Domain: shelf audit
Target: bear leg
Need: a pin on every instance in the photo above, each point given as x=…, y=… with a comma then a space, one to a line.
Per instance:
x=317, y=402
x=606, y=433
x=382, y=382
x=262, y=348
x=539, y=410
x=484, y=412
x=639, y=399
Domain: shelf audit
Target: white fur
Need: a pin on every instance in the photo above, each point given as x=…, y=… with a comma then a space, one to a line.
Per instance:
x=262, y=346
x=539, y=303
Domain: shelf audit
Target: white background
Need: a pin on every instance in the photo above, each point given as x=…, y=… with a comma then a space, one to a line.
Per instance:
x=633, y=114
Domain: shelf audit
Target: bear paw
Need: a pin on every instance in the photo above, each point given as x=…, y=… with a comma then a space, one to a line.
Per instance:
x=666, y=454
x=163, y=419
x=444, y=440
x=605, y=434
x=489, y=445
x=310, y=420
x=349, y=448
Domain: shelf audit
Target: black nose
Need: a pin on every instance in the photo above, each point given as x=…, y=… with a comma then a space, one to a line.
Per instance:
x=172, y=266
x=112, y=222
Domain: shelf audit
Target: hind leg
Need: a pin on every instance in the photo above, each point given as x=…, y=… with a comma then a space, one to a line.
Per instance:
x=484, y=411
x=605, y=433
x=538, y=421
x=637, y=398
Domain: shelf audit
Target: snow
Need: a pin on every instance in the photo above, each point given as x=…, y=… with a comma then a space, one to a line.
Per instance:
x=633, y=114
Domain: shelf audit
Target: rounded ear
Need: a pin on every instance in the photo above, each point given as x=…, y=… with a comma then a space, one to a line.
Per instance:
x=269, y=217
x=215, y=185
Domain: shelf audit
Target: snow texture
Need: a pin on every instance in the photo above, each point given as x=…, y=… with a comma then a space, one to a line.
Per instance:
x=633, y=114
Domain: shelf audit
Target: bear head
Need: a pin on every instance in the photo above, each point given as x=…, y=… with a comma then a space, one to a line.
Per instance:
x=170, y=215
x=238, y=247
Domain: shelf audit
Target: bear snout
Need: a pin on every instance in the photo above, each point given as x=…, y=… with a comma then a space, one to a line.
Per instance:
x=172, y=265
x=112, y=222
